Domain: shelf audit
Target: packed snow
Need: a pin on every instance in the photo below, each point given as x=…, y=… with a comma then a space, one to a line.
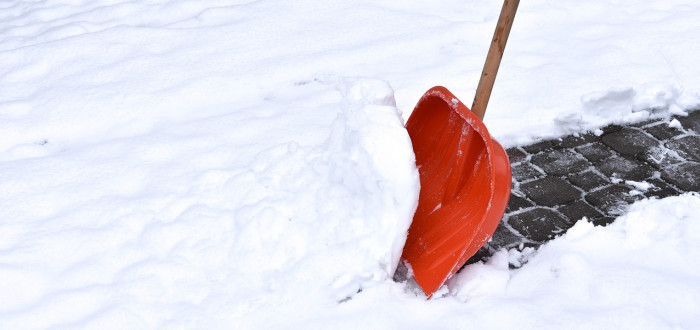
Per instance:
x=243, y=164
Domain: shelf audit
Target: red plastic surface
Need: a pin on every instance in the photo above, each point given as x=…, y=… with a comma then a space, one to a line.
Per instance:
x=465, y=181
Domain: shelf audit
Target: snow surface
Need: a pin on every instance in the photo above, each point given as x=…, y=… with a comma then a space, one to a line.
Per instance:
x=242, y=164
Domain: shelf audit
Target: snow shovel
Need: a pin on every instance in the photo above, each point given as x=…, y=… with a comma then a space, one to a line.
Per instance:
x=465, y=175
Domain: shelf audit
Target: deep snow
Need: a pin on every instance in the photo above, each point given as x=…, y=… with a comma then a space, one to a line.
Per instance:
x=242, y=164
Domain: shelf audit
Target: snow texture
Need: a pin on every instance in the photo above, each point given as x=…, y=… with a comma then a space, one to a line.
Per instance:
x=209, y=164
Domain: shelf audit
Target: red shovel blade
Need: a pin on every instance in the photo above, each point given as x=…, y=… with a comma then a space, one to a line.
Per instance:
x=465, y=185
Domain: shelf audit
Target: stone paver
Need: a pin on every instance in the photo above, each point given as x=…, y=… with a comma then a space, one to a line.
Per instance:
x=692, y=122
x=573, y=141
x=559, y=182
x=594, y=152
x=560, y=162
x=688, y=147
x=540, y=146
x=661, y=157
x=626, y=168
x=613, y=199
x=578, y=210
x=524, y=172
x=629, y=141
x=516, y=203
x=588, y=180
x=661, y=189
x=663, y=132
x=684, y=176
x=550, y=191
x=516, y=155
x=539, y=224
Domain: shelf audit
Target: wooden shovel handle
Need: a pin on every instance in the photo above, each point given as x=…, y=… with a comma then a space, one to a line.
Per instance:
x=493, y=59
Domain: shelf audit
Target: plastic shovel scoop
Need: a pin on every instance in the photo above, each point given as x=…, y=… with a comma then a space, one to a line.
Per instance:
x=465, y=175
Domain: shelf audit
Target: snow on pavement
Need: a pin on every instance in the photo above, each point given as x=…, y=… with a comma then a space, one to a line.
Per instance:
x=178, y=164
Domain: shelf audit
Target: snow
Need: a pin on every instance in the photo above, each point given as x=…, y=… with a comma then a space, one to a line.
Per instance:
x=636, y=273
x=674, y=123
x=242, y=164
x=145, y=224
x=640, y=186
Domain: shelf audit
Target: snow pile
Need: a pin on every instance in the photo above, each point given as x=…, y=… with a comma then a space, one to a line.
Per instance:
x=143, y=231
x=639, y=272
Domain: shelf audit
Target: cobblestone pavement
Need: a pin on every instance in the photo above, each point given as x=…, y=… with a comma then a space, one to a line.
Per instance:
x=597, y=176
